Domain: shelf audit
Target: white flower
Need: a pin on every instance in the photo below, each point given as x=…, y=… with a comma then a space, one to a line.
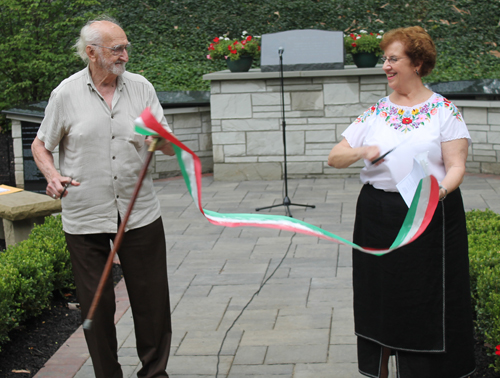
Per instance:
x=221, y=38
x=380, y=31
x=363, y=31
x=379, y=37
x=226, y=39
x=256, y=36
x=244, y=33
x=358, y=37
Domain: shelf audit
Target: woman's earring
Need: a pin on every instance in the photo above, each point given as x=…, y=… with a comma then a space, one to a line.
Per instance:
x=416, y=71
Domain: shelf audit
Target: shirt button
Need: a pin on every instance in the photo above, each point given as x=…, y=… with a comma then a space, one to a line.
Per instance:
x=113, y=137
x=114, y=177
x=117, y=196
x=112, y=116
x=114, y=157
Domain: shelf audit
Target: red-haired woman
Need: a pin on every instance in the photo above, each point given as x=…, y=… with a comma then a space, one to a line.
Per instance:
x=413, y=303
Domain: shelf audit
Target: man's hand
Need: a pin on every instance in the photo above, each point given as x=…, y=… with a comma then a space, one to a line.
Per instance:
x=58, y=185
x=162, y=145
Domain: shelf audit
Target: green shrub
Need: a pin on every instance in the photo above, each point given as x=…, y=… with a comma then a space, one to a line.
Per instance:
x=483, y=229
x=29, y=273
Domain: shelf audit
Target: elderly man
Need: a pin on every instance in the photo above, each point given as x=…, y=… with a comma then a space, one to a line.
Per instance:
x=90, y=117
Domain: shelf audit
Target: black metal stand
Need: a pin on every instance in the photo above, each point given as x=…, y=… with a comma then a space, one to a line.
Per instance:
x=286, y=201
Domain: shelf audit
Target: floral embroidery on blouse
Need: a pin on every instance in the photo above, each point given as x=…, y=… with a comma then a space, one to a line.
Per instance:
x=407, y=119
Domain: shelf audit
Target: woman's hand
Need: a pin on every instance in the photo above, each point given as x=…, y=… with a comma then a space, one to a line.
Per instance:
x=343, y=155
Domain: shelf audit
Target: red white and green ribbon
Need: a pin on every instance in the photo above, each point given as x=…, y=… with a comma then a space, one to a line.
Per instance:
x=417, y=219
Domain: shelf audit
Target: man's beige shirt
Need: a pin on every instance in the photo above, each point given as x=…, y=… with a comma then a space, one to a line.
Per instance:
x=99, y=149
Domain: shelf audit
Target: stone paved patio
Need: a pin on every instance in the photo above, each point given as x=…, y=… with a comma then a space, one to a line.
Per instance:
x=301, y=323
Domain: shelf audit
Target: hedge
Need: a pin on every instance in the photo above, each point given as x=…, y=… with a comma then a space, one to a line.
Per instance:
x=483, y=229
x=30, y=272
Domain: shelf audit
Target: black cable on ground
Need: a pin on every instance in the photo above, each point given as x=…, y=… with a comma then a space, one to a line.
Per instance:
x=250, y=301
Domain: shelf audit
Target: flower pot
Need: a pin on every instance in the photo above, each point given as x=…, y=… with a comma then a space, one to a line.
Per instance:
x=364, y=60
x=241, y=65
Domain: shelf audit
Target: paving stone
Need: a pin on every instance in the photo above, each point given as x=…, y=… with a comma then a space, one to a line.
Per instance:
x=86, y=371
x=340, y=370
x=342, y=354
x=291, y=354
x=250, y=355
x=205, y=343
x=281, y=371
x=197, y=365
x=286, y=337
x=310, y=321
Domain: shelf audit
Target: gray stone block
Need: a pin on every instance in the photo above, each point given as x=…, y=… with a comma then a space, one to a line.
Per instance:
x=307, y=100
x=475, y=115
x=231, y=106
x=341, y=93
x=271, y=143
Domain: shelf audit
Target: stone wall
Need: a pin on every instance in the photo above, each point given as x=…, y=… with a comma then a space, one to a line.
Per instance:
x=319, y=105
x=191, y=126
x=483, y=121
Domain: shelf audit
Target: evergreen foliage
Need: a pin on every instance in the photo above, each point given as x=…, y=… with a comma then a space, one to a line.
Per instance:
x=171, y=37
x=35, y=45
x=483, y=229
x=30, y=271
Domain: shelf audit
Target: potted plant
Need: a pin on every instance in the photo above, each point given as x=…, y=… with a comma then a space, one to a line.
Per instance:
x=364, y=47
x=238, y=53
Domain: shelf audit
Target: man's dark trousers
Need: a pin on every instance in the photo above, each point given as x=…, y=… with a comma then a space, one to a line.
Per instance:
x=143, y=259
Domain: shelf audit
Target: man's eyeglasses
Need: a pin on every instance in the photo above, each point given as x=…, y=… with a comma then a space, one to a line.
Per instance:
x=118, y=49
x=391, y=60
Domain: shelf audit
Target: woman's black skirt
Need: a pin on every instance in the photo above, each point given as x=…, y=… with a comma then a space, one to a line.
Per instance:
x=415, y=300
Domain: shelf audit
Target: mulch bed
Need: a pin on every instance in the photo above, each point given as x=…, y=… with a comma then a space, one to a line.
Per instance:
x=34, y=342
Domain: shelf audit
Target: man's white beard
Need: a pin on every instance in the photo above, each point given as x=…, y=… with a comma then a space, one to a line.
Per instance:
x=118, y=69
x=115, y=69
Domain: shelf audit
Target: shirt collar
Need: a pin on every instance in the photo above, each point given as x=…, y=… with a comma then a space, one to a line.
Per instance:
x=120, y=82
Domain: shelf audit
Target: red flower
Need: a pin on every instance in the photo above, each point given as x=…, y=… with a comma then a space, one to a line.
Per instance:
x=211, y=47
x=216, y=40
x=353, y=45
x=497, y=351
x=244, y=42
x=258, y=47
x=234, y=52
x=352, y=36
x=235, y=43
x=229, y=47
x=249, y=38
x=407, y=121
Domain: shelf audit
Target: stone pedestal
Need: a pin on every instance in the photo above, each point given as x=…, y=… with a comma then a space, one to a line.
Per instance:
x=319, y=105
x=20, y=211
x=245, y=110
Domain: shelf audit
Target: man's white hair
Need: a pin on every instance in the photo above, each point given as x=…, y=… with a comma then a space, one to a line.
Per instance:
x=90, y=35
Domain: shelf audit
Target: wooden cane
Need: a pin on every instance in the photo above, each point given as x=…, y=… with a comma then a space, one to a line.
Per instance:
x=87, y=324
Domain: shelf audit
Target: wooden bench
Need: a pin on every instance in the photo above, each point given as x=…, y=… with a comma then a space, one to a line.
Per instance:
x=20, y=211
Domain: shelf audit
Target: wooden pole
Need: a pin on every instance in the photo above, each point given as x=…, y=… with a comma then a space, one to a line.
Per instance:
x=87, y=324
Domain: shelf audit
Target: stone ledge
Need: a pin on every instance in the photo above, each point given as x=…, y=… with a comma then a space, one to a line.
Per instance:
x=256, y=73
x=25, y=205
